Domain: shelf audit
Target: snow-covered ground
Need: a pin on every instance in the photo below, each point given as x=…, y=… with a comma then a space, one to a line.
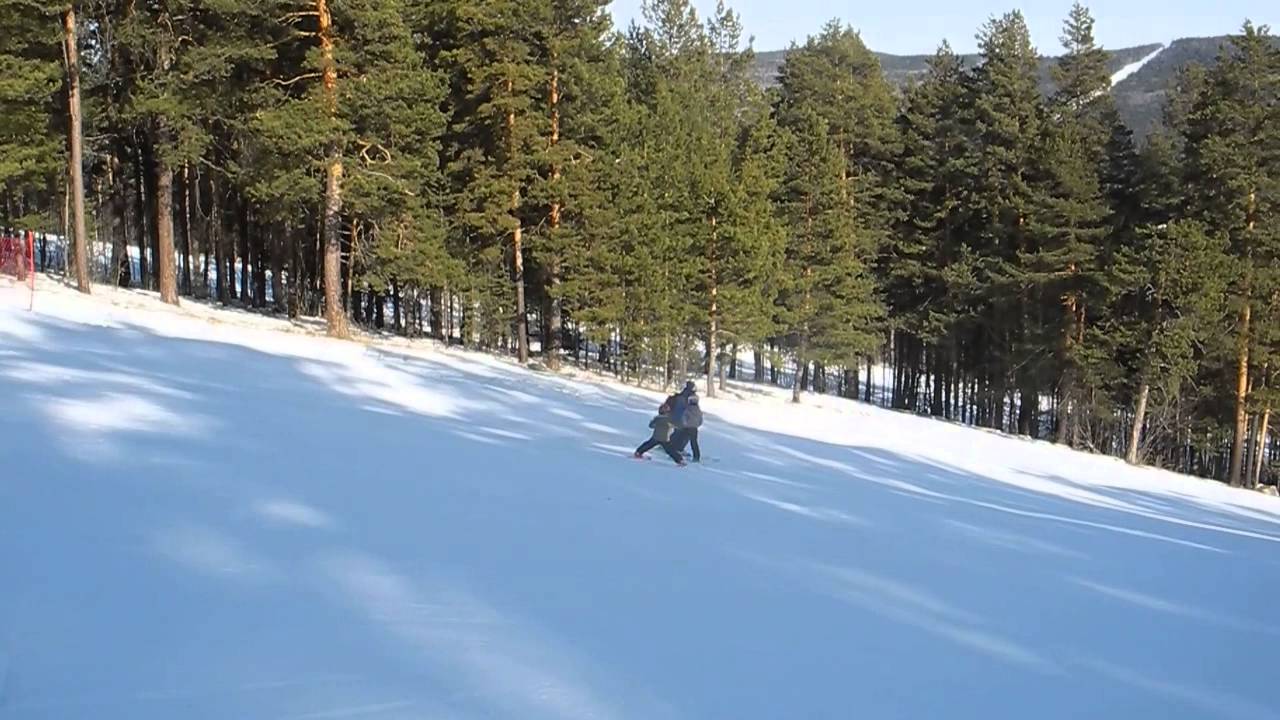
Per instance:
x=211, y=514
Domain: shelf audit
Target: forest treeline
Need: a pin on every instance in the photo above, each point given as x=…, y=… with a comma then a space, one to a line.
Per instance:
x=516, y=175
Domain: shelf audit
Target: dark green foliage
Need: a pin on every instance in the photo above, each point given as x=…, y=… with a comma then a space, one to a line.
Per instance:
x=32, y=148
x=519, y=177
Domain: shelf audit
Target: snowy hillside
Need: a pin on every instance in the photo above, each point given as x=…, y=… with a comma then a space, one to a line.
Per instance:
x=1127, y=71
x=210, y=514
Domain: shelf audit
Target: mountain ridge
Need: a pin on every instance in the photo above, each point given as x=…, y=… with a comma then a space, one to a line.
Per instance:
x=1139, y=94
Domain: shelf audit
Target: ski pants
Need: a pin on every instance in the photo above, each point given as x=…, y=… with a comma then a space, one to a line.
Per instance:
x=687, y=436
x=668, y=446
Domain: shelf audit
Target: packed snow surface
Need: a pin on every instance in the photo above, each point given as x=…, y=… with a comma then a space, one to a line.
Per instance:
x=212, y=514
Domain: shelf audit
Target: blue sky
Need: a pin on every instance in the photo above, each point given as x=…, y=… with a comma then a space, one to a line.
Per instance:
x=917, y=26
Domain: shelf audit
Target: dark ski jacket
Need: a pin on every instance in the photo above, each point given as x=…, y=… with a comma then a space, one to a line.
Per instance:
x=662, y=428
x=679, y=402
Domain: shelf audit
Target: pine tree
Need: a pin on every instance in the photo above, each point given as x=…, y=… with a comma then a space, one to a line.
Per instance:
x=1008, y=126
x=835, y=76
x=828, y=306
x=581, y=104
x=925, y=261
x=1232, y=144
x=1070, y=266
x=753, y=237
x=32, y=153
x=1081, y=79
x=1177, y=310
x=393, y=177
x=1067, y=266
x=490, y=51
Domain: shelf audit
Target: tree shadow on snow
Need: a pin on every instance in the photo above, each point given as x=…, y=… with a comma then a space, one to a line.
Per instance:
x=205, y=529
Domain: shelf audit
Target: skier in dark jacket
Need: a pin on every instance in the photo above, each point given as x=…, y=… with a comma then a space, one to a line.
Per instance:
x=663, y=428
x=680, y=401
x=687, y=431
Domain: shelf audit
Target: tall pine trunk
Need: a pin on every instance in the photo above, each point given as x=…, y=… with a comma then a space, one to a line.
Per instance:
x=242, y=230
x=258, y=244
x=436, y=317
x=185, y=224
x=517, y=260
x=1139, y=418
x=1261, y=445
x=713, y=330
x=277, y=268
x=335, y=318
x=122, y=268
x=1235, y=472
x=165, y=264
x=802, y=366
x=551, y=343
x=141, y=224
x=216, y=231
x=166, y=260
x=517, y=247
x=75, y=154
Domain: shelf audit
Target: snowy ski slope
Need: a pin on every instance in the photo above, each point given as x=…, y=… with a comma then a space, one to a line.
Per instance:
x=211, y=514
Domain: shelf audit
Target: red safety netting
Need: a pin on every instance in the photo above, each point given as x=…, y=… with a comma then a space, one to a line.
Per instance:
x=18, y=260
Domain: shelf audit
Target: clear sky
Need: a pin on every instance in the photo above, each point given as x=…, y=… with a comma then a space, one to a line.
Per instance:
x=917, y=26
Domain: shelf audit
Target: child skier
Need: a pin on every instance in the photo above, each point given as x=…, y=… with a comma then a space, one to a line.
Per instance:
x=662, y=429
x=687, y=432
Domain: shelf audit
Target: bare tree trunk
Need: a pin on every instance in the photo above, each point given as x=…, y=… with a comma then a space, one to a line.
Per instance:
x=75, y=156
x=164, y=227
x=187, y=242
x=733, y=366
x=551, y=343
x=141, y=222
x=517, y=249
x=395, y=306
x=1235, y=473
x=258, y=242
x=277, y=268
x=121, y=267
x=1250, y=448
x=522, y=316
x=436, y=317
x=216, y=231
x=1260, y=454
x=205, y=248
x=242, y=234
x=1139, y=417
x=713, y=329
x=802, y=365
x=335, y=318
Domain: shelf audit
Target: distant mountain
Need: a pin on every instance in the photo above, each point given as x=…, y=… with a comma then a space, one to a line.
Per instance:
x=1144, y=73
